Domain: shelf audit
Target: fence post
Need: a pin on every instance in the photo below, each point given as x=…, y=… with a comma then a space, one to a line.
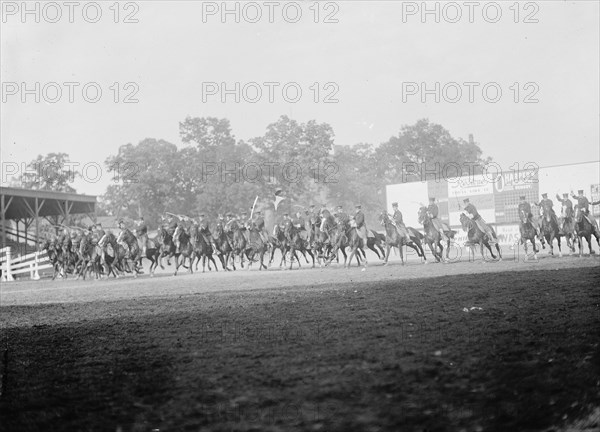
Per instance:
x=36, y=275
x=7, y=277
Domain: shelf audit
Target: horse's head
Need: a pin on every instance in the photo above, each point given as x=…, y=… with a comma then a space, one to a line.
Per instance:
x=219, y=229
x=423, y=215
x=383, y=218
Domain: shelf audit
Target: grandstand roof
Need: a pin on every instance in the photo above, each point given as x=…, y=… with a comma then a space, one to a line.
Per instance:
x=20, y=203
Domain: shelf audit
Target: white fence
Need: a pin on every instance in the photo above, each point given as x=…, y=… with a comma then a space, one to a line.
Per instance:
x=17, y=265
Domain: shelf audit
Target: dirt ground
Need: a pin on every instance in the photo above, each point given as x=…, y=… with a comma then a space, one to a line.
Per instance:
x=465, y=346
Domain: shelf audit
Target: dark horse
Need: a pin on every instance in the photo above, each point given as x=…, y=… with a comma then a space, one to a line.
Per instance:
x=223, y=246
x=568, y=232
x=550, y=231
x=202, y=249
x=433, y=237
x=350, y=238
x=528, y=232
x=394, y=239
x=278, y=241
x=295, y=242
x=186, y=249
x=476, y=236
x=584, y=230
x=255, y=246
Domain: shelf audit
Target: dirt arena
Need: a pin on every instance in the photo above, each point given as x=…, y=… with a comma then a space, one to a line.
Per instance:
x=466, y=346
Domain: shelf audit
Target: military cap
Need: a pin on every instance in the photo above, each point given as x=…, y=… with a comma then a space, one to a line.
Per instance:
x=522, y=197
x=394, y=204
x=357, y=206
x=580, y=191
x=545, y=195
x=431, y=198
x=565, y=195
x=466, y=200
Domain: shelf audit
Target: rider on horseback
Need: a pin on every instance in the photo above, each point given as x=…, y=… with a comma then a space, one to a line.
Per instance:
x=399, y=223
x=432, y=212
x=327, y=223
x=231, y=225
x=525, y=207
x=361, y=226
x=342, y=217
x=567, y=206
x=141, y=231
x=204, y=226
x=259, y=224
x=476, y=217
x=546, y=204
x=584, y=208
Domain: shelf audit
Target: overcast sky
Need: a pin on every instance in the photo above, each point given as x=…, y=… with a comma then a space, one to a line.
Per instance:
x=370, y=54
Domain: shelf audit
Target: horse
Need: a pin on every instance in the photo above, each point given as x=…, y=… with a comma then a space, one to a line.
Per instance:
x=320, y=242
x=166, y=246
x=584, y=230
x=296, y=242
x=376, y=240
x=433, y=237
x=127, y=238
x=476, y=236
x=528, y=232
x=238, y=241
x=394, y=239
x=202, y=248
x=568, y=232
x=222, y=245
x=343, y=238
x=186, y=250
x=114, y=258
x=52, y=250
x=255, y=246
x=89, y=254
x=278, y=241
x=550, y=231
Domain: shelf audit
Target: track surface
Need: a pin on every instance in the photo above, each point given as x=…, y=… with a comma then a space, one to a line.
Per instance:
x=390, y=348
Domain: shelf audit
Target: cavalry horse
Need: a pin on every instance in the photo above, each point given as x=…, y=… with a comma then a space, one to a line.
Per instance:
x=550, y=231
x=223, y=246
x=202, y=248
x=476, y=236
x=166, y=246
x=255, y=246
x=186, y=249
x=432, y=236
x=89, y=255
x=53, y=252
x=295, y=242
x=342, y=239
x=584, y=230
x=528, y=232
x=238, y=241
x=394, y=239
x=127, y=238
x=278, y=241
x=568, y=232
x=113, y=258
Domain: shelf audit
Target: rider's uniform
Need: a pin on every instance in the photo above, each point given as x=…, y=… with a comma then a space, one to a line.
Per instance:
x=361, y=226
x=584, y=207
x=433, y=212
x=547, y=206
x=142, y=233
x=259, y=223
x=567, y=206
x=472, y=210
x=399, y=222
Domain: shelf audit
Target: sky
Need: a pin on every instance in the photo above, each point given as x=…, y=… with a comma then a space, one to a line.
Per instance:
x=372, y=65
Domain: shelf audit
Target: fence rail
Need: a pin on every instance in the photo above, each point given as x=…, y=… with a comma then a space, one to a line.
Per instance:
x=17, y=265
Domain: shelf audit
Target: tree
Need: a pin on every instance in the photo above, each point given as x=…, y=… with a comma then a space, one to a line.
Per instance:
x=144, y=177
x=53, y=172
x=423, y=143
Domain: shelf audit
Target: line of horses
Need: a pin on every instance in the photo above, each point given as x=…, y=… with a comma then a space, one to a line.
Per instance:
x=574, y=229
x=245, y=245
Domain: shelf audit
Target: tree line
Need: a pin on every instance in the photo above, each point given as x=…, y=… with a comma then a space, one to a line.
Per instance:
x=211, y=171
